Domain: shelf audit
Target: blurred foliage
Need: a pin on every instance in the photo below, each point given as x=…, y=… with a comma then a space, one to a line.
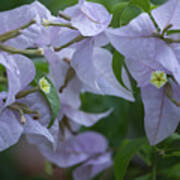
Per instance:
x=55, y=5
x=125, y=122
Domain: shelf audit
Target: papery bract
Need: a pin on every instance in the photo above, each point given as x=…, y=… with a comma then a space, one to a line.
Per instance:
x=10, y=130
x=75, y=149
x=96, y=76
x=168, y=14
x=89, y=18
x=137, y=41
x=161, y=115
x=93, y=167
x=20, y=72
x=12, y=21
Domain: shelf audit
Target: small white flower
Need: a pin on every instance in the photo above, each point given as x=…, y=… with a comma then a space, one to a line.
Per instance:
x=44, y=85
x=158, y=79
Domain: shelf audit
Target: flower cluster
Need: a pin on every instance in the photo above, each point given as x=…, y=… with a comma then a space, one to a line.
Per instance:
x=45, y=107
x=44, y=104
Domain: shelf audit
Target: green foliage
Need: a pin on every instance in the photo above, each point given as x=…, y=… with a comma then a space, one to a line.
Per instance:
x=117, y=65
x=173, y=172
x=146, y=177
x=129, y=13
x=48, y=168
x=127, y=151
x=52, y=97
x=42, y=69
x=173, y=31
x=3, y=80
x=117, y=11
x=126, y=119
x=53, y=5
x=123, y=13
x=145, y=4
x=158, y=2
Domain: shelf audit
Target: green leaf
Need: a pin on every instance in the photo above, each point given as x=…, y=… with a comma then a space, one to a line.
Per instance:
x=173, y=172
x=3, y=87
x=52, y=98
x=175, y=153
x=48, y=168
x=42, y=69
x=117, y=11
x=129, y=13
x=2, y=68
x=146, y=177
x=158, y=2
x=143, y=4
x=127, y=150
x=50, y=93
x=3, y=80
x=173, y=31
x=117, y=64
x=146, y=154
x=170, y=145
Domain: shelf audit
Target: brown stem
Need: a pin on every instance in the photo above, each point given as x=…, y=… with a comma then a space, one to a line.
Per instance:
x=64, y=16
x=69, y=76
x=75, y=40
x=25, y=93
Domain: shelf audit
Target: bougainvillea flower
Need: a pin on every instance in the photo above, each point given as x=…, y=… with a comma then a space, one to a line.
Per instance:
x=20, y=72
x=35, y=130
x=161, y=115
x=93, y=167
x=10, y=129
x=96, y=76
x=13, y=19
x=14, y=120
x=70, y=95
x=139, y=40
x=151, y=60
x=12, y=126
x=76, y=149
x=62, y=150
x=93, y=67
x=168, y=14
x=86, y=21
x=32, y=14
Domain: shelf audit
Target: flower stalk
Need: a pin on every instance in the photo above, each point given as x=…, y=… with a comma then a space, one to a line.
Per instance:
x=69, y=76
x=25, y=93
x=169, y=94
x=23, y=109
x=16, y=32
x=64, y=16
x=12, y=50
x=47, y=23
x=75, y=40
x=154, y=22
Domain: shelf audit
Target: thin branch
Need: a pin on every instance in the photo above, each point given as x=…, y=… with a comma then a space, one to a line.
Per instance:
x=75, y=40
x=14, y=33
x=12, y=50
